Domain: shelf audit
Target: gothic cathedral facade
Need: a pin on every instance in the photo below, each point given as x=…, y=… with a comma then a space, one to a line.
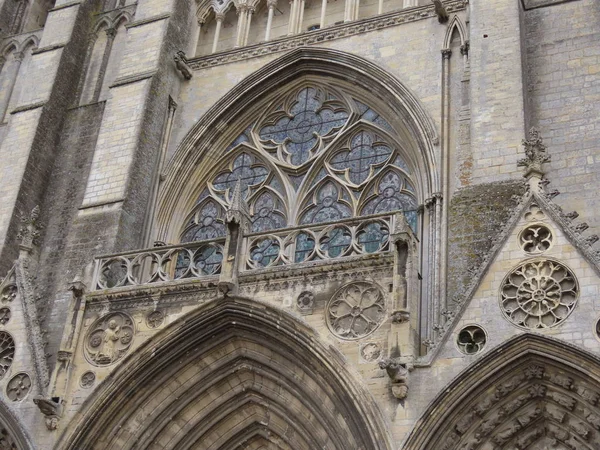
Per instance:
x=299, y=224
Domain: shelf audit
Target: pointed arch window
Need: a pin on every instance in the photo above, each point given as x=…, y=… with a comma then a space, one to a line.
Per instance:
x=314, y=154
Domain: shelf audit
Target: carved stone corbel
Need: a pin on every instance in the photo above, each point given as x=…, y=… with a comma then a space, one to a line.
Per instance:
x=440, y=11
x=50, y=409
x=398, y=370
x=182, y=66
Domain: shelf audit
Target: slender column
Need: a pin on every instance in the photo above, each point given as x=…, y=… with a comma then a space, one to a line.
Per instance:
x=249, y=14
x=18, y=57
x=110, y=33
x=380, y=7
x=2, y=62
x=271, y=4
x=323, y=12
x=242, y=11
x=443, y=249
x=300, y=25
x=293, y=17
x=219, y=18
x=200, y=23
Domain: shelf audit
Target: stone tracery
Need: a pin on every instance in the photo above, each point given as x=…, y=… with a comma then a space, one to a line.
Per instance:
x=333, y=151
x=539, y=294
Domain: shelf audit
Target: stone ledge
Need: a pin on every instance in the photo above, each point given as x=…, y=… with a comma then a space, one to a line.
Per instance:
x=534, y=4
x=326, y=34
x=148, y=20
x=27, y=107
x=48, y=48
x=65, y=5
x=132, y=79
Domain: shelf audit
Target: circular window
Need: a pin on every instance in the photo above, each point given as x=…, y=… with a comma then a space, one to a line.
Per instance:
x=538, y=294
x=471, y=339
x=536, y=239
x=355, y=310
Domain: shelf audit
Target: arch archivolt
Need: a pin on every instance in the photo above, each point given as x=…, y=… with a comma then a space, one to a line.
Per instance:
x=234, y=372
x=532, y=393
x=250, y=113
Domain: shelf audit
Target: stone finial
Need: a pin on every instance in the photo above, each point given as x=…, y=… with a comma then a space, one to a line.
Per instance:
x=181, y=64
x=30, y=231
x=238, y=211
x=440, y=10
x=535, y=157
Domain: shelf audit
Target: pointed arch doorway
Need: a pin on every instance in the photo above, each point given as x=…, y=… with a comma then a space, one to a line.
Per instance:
x=234, y=374
x=531, y=393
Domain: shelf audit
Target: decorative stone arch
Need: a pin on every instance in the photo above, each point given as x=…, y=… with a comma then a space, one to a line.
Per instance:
x=30, y=42
x=532, y=392
x=459, y=26
x=12, y=434
x=212, y=133
x=234, y=370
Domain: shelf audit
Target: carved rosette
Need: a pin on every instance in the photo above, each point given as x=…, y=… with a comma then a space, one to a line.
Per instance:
x=18, y=387
x=305, y=301
x=355, y=310
x=7, y=352
x=538, y=294
x=8, y=293
x=155, y=319
x=109, y=338
x=370, y=352
x=87, y=379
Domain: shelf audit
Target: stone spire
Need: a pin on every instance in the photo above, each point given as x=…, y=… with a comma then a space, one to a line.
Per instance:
x=238, y=210
x=535, y=157
x=30, y=231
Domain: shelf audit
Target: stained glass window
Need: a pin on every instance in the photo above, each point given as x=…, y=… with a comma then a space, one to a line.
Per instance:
x=328, y=206
x=245, y=170
x=267, y=213
x=207, y=223
x=363, y=157
x=300, y=129
x=316, y=155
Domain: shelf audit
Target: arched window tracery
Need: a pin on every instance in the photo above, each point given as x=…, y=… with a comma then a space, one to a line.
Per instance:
x=314, y=155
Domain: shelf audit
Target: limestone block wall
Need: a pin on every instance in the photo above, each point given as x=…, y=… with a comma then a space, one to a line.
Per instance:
x=563, y=84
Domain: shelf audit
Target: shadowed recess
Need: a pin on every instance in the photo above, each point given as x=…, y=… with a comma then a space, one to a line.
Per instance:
x=234, y=374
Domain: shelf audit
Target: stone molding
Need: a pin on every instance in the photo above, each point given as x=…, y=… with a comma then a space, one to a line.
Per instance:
x=132, y=79
x=323, y=35
x=141, y=22
x=65, y=5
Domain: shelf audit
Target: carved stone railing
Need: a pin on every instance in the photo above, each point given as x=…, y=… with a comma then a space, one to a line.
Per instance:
x=169, y=263
x=324, y=241
x=358, y=236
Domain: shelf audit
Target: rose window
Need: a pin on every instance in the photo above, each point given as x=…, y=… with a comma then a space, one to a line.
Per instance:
x=356, y=310
x=539, y=294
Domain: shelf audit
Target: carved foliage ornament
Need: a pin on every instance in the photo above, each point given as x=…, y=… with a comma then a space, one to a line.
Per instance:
x=7, y=352
x=8, y=293
x=6, y=440
x=355, y=310
x=538, y=294
x=5, y=315
x=87, y=379
x=109, y=339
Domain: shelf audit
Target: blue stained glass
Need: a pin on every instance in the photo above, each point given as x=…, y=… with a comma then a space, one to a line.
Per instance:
x=372, y=116
x=364, y=155
x=209, y=224
x=300, y=129
x=390, y=196
x=399, y=162
x=246, y=171
x=243, y=137
x=412, y=219
x=328, y=208
x=182, y=265
x=372, y=237
x=305, y=244
x=266, y=215
x=336, y=242
x=208, y=260
x=265, y=252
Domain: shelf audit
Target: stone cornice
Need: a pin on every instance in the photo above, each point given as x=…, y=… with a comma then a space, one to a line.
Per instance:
x=326, y=34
